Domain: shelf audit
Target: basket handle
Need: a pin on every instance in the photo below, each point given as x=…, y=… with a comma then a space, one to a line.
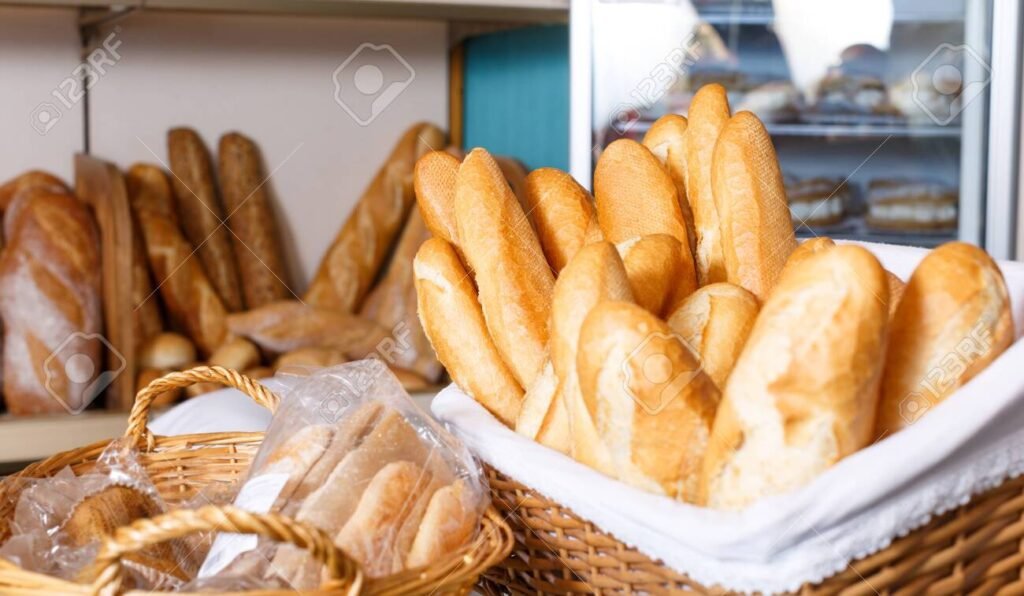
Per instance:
x=139, y=418
x=342, y=571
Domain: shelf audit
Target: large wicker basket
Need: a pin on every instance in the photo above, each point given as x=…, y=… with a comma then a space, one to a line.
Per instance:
x=976, y=549
x=181, y=466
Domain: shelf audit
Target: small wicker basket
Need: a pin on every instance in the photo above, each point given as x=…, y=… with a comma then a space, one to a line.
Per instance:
x=976, y=549
x=181, y=466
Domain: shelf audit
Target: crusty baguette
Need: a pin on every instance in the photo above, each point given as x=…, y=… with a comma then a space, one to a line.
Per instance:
x=562, y=212
x=595, y=274
x=288, y=325
x=202, y=214
x=50, y=303
x=434, y=181
x=715, y=322
x=189, y=295
x=453, y=320
x=756, y=227
x=709, y=111
x=953, y=321
x=666, y=139
x=660, y=275
x=251, y=219
x=543, y=416
x=896, y=289
x=804, y=391
x=33, y=178
x=448, y=523
x=514, y=278
x=351, y=263
x=636, y=197
x=515, y=172
x=652, y=405
x=392, y=305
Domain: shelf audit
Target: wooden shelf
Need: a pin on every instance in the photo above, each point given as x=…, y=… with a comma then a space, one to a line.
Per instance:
x=451, y=10
x=29, y=438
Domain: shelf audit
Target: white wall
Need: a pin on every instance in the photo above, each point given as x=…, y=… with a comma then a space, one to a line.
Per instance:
x=271, y=78
x=39, y=48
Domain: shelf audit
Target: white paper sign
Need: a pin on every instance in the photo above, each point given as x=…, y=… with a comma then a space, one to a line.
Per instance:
x=257, y=496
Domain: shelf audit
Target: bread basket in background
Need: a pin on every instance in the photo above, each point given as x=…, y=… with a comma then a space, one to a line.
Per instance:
x=181, y=466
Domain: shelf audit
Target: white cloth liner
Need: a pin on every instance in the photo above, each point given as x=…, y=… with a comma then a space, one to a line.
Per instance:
x=971, y=442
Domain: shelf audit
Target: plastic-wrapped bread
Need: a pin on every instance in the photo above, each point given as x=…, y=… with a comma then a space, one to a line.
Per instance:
x=351, y=263
x=251, y=219
x=562, y=212
x=50, y=273
x=287, y=325
x=202, y=214
x=666, y=139
x=709, y=111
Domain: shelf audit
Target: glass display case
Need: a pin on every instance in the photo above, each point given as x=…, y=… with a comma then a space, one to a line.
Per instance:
x=879, y=109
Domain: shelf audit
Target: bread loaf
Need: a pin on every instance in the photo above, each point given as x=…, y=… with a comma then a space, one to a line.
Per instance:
x=953, y=321
x=202, y=215
x=167, y=351
x=896, y=288
x=714, y=322
x=709, y=111
x=666, y=139
x=514, y=172
x=251, y=219
x=652, y=405
x=636, y=197
x=50, y=273
x=804, y=391
x=447, y=524
x=31, y=179
x=392, y=304
x=660, y=275
x=806, y=249
x=543, y=416
x=236, y=354
x=311, y=357
x=562, y=212
x=351, y=263
x=434, y=181
x=189, y=295
x=453, y=320
x=756, y=228
x=288, y=325
x=594, y=275
x=513, y=276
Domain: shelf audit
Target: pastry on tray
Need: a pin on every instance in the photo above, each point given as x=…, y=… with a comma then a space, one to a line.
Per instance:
x=900, y=204
x=818, y=201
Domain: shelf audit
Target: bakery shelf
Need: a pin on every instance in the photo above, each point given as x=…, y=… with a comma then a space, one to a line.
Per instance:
x=29, y=438
x=498, y=10
x=758, y=15
x=859, y=130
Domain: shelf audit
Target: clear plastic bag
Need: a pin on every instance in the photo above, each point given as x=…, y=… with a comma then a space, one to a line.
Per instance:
x=350, y=453
x=59, y=522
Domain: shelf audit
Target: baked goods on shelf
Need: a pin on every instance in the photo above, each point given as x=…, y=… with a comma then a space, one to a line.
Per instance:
x=819, y=201
x=912, y=205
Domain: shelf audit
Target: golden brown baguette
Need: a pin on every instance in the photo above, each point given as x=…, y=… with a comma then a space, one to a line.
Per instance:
x=652, y=405
x=453, y=320
x=392, y=305
x=252, y=222
x=32, y=178
x=191, y=300
x=666, y=139
x=512, y=274
x=659, y=274
x=515, y=172
x=562, y=212
x=288, y=325
x=543, y=416
x=351, y=263
x=594, y=275
x=635, y=196
x=953, y=321
x=896, y=289
x=434, y=181
x=756, y=227
x=50, y=304
x=804, y=391
x=202, y=214
x=709, y=111
x=714, y=322
x=311, y=357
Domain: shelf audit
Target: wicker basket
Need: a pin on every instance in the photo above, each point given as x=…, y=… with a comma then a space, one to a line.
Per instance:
x=976, y=549
x=181, y=466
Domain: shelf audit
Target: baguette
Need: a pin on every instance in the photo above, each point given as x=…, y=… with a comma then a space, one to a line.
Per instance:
x=513, y=276
x=202, y=215
x=666, y=139
x=953, y=321
x=189, y=295
x=562, y=212
x=756, y=228
x=896, y=289
x=652, y=405
x=311, y=357
x=714, y=322
x=454, y=322
x=636, y=197
x=804, y=391
x=434, y=181
x=660, y=277
x=543, y=416
x=350, y=265
x=31, y=179
x=515, y=174
x=50, y=304
x=251, y=220
x=709, y=111
x=288, y=325
x=595, y=274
